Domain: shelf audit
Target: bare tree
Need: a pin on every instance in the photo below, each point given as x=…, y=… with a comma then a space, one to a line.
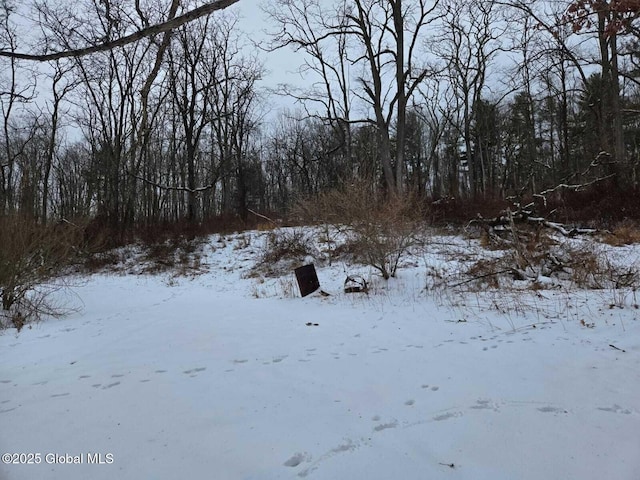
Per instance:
x=309, y=26
x=469, y=42
x=379, y=38
x=605, y=18
x=17, y=88
x=389, y=34
x=209, y=116
x=60, y=87
x=191, y=84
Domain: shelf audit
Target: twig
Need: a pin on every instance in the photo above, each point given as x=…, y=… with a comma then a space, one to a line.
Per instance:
x=262, y=216
x=64, y=220
x=481, y=276
x=616, y=348
x=450, y=465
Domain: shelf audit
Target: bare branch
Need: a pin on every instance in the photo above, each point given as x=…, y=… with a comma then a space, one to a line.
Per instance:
x=178, y=188
x=574, y=187
x=169, y=25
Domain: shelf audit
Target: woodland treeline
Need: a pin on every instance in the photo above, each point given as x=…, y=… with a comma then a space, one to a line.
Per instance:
x=442, y=99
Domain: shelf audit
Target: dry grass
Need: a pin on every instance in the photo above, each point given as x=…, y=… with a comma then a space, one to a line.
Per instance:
x=284, y=250
x=266, y=226
x=180, y=255
x=625, y=233
x=286, y=244
x=98, y=261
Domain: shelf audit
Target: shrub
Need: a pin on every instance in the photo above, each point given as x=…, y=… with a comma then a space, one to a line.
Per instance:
x=285, y=249
x=378, y=231
x=30, y=254
x=286, y=244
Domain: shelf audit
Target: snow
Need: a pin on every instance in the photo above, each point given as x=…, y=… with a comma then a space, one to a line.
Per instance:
x=219, y=376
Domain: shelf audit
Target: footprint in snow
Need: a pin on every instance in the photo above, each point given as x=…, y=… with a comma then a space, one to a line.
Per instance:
x=161, y=371
x=340, y=449
x=84, y=376
x=195, y=370
x=60, y=395
x=117, y=375
x=549, y=409
x=5, y=381
x=385, y=426
x=484, y=405
x=297, y=459
x=111, y=385
x=410, y=402
x=616, y=409
x=347, y=447
x=376, y=418
x=447, y=416
x=240, y=361
x=435, y=388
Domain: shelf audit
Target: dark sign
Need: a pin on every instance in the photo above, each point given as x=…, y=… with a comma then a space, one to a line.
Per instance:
x=307, y=279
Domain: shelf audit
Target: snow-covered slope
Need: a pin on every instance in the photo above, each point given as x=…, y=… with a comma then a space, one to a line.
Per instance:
x=220, y=377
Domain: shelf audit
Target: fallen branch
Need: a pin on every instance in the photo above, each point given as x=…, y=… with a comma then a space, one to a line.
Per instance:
x=574, y=187
x=616, y=348
x=507, y=220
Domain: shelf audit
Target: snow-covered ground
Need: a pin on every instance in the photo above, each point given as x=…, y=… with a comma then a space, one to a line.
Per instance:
x=219, y=376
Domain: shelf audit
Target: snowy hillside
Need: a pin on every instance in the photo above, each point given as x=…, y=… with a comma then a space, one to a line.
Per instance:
x=225, y=375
